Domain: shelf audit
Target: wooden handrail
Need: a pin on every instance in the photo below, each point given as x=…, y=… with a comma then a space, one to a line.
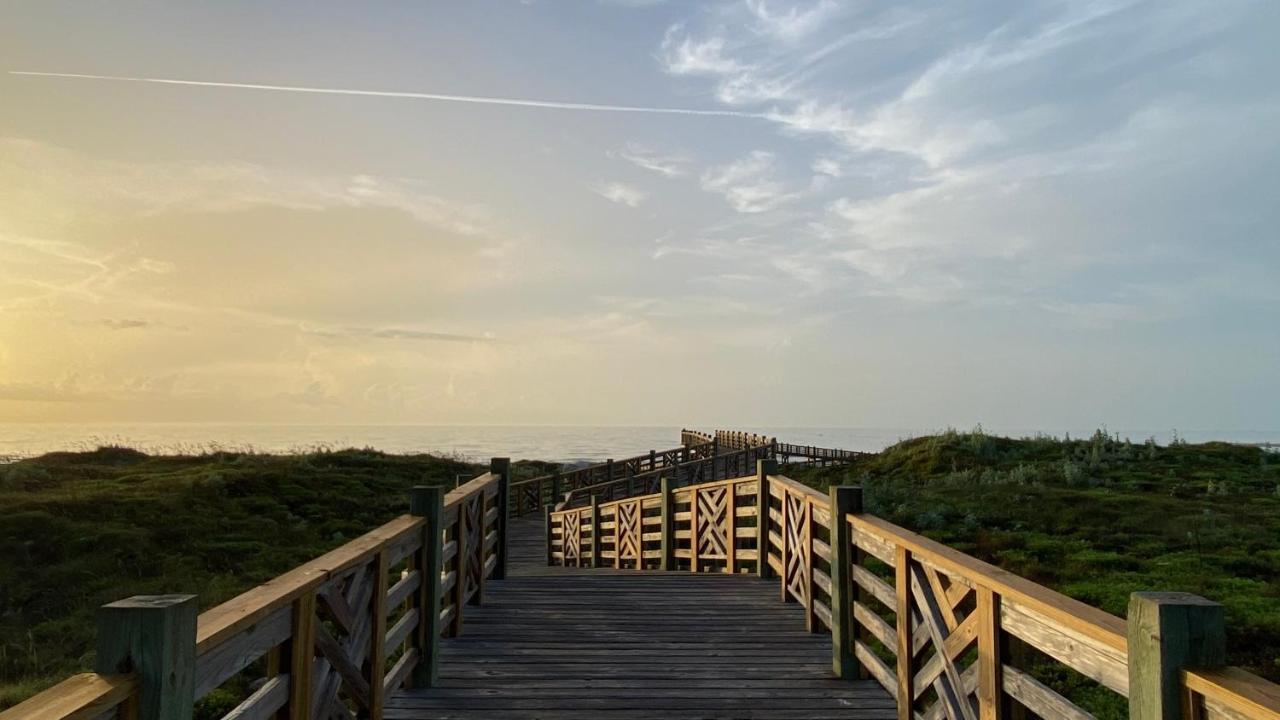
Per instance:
x=533, y=494
x=348, y=586
x=956, y=601
x=86, y=696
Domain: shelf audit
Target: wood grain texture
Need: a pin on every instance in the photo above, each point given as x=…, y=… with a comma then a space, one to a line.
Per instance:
x=611, y=644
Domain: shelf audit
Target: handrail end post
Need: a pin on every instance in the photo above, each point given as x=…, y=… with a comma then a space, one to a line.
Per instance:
x=153, y=637
x=667, y=563
x=427, y=502
x=546, y=521
x=764, y=468
x=502, y=468
x=845, y=500
x=1167, y=632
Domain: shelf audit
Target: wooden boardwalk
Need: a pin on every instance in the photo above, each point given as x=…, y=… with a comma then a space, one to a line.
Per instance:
x=552, y=642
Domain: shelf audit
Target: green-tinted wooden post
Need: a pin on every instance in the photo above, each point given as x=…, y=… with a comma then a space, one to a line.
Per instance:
x=764, y=468
x=1167, y=632
x=668, y=561
x=595, y=531
x=845, y=499
x=557, y=488
x=428, y=504
x=502, y=468
x=153, y=637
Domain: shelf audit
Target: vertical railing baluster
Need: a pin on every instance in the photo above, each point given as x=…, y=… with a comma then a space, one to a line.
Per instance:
x=906, y=664
x=378, y=638
x=428, y=504
x=502, y=468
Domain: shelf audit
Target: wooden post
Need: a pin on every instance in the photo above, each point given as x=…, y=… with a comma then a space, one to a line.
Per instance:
x=653, y=459
x=301, y=658
x=903, y=610
x=378, y=638
x=782, y=551
x=693, y=528
x=1167, y=632
x=557, y=488
x=595, y=531
x=546, y=521
x=502, y=468
x=428, y=504
x=668, y=561
x=153, y=637
x=764, y=468
x=990, y=664
x=845, y=500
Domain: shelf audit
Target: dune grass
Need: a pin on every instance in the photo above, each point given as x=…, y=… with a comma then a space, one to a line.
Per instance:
x=82, y=529
x=1098, y=518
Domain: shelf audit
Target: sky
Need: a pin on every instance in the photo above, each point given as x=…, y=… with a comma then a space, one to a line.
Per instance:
x=860, y=214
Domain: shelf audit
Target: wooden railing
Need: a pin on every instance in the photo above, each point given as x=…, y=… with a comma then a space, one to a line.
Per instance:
x=533, y=494
x=735, y=440
x=701, y=469
x=946, y=634
x=332, y=638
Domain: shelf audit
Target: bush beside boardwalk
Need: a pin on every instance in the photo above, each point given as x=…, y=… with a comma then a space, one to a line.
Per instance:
x=82, y=529
x=1098, y=518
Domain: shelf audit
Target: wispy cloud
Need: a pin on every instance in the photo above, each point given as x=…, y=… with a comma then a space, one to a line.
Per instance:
x=392, y=333
x=747, y=184
x=621, y=193
x=439, y=97
x=643, y=157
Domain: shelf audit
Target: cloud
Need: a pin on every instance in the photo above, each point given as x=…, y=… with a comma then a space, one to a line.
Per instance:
x=391, y=333
x=316, y=394
x=793, y=23
x=621, y=193
x=683, y=55
x=66, y=390
x=747, y=184
x=640, y=156
x=137, y=324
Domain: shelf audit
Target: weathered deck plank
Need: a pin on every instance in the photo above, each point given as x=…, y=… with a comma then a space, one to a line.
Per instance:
x=555, y=642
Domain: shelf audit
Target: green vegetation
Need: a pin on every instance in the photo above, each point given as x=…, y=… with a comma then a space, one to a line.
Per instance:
x=82, y=529
x=1098, y=518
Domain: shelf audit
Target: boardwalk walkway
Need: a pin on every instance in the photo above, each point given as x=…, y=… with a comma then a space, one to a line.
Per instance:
x=553, y=642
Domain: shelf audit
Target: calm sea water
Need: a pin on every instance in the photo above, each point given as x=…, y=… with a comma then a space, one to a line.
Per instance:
x=554, y=443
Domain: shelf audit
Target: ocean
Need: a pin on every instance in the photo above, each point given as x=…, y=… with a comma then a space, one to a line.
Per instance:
x=572, y=444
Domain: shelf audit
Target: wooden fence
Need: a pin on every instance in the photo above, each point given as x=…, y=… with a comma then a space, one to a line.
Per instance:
x=533, y=494
x=946, y=634
x=785, y=452
x=700, y=469
x=332, y=638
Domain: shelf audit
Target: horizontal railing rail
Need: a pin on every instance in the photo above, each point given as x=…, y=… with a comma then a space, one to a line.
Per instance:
x=336, y=636
x=697, y=470
x=735, y=440
x=946, y=634
x=531, y=495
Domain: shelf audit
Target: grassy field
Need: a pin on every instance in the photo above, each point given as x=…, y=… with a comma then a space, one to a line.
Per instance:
x=1098, y=518
x=82, y=529
x=1095, y=518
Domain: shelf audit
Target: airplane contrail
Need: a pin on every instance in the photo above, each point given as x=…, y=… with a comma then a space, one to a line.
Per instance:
x=517, y=102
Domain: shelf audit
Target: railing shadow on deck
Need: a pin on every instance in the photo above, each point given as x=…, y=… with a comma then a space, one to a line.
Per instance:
x=944, y=633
